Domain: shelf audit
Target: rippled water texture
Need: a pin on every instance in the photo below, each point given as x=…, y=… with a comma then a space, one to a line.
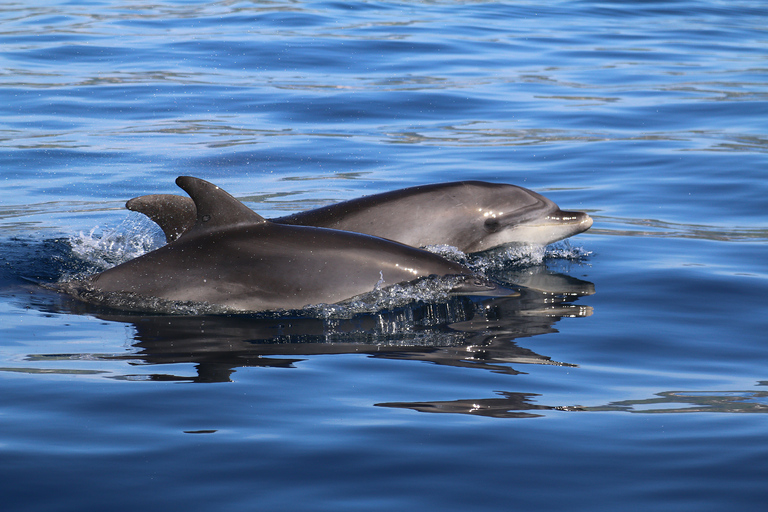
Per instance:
x=628, y=373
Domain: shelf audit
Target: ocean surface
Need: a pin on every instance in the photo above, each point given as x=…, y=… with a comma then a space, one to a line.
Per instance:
x=631, y=373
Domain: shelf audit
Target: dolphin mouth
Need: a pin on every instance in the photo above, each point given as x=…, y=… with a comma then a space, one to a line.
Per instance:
x=567, y=217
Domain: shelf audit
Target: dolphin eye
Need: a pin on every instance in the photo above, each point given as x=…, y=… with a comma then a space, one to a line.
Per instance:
x=492, y=225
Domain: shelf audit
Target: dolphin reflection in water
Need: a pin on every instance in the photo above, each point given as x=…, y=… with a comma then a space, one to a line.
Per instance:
x=463, y=332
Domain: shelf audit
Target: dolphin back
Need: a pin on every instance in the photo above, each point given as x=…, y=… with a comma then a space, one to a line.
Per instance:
x=237, y=260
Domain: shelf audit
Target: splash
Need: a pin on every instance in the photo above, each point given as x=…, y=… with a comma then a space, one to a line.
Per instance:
x=429, y=290
x=104, y=248
x=519, y=255
x=564, y=250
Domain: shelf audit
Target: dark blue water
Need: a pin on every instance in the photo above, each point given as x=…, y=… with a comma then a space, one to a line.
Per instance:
x=629, y=376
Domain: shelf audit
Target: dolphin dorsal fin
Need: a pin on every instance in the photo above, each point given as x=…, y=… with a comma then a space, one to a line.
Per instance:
x=215, y=207
x=174, y=214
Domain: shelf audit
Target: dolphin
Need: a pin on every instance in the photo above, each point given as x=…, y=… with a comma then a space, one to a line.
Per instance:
x=235, y=259
x=473, y=216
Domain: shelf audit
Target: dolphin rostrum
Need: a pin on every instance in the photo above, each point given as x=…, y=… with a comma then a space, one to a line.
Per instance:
x=235, y=259
x=473, y=216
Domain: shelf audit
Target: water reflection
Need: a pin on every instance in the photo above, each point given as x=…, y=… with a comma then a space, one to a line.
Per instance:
x=662, y=229
x=693, y=401
x=462, y=332
x=519, y=405
x=511, y=405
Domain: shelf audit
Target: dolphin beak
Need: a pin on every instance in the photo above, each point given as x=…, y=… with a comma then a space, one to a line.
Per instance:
x=586, y=221
x=570, y=217
x=580, y=219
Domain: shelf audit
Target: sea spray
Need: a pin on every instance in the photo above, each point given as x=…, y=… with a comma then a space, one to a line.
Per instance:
x=103, y=248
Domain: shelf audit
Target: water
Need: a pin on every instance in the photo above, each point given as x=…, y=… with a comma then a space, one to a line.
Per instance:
x=614, y=382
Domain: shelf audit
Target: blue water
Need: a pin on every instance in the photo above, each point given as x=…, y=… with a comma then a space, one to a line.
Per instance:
x=633, y=381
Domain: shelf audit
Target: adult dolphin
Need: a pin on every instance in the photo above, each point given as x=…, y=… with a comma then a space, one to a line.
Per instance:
x=238, y=261
x=473, y=216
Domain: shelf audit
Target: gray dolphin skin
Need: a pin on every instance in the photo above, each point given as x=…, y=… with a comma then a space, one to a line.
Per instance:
x=473, y=216
x=234, y=258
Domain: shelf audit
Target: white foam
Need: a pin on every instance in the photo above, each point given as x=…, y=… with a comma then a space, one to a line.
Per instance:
x=566, y=251
x=520, y=255
x=103, y=248
x=427, y=290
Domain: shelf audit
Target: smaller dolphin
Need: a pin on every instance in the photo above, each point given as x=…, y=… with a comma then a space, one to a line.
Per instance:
x=233, y=258
x=473, y=216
